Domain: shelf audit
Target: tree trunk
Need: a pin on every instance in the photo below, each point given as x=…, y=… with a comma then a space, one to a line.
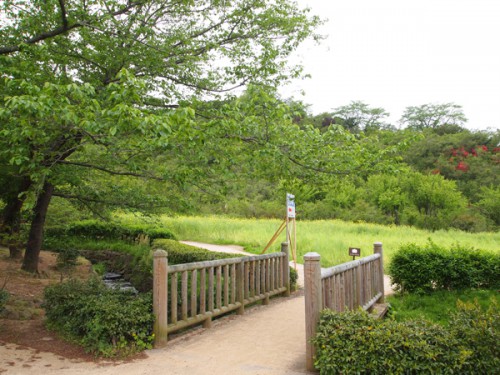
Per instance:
x=35, y=238
x=396, y=217
x=11, y=218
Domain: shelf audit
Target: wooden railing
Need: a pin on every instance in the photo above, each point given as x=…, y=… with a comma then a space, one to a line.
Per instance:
x=201, y=291
x=359, y=283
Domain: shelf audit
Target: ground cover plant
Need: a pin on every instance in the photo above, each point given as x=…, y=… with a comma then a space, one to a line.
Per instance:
x=437, y=306
x=330, y=238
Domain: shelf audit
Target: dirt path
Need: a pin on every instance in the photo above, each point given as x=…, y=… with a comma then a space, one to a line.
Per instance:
x=266, y=340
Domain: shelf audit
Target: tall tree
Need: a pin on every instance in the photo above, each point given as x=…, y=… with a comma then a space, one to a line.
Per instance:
x=433, y=116
x=69, y=67
x=358, y=116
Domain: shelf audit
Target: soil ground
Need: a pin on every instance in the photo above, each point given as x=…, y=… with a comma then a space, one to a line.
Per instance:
x=266, y=340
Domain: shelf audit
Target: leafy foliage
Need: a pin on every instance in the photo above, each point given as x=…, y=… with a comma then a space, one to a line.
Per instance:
x=431, y=267
x=294, y=276
x=433, y=116
x=95, y=229
x=70, y=100
x=67, y=258
x=106, y=322
x=438, y=306
x=4, y=297
x=355, y=343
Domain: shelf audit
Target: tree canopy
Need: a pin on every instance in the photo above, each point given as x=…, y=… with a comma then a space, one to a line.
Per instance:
x=104, y=84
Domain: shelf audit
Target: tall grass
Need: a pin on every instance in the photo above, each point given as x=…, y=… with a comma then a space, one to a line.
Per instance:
x=330, y=238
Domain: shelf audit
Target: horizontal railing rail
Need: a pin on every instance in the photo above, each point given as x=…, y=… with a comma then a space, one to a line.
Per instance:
x=352, y=284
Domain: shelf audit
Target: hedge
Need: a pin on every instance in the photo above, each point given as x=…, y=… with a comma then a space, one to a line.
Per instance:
x=95, y=229
x=418, y=269
x=356, y=343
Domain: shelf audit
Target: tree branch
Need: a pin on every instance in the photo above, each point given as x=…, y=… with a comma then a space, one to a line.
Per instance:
x=87, y=200
x=320, y=170
x=109, y=171
x=65, y=27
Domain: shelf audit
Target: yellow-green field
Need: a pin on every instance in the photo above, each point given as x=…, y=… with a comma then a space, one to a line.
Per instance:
x=330, y=238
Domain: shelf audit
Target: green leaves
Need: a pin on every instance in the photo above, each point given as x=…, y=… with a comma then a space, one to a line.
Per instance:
x=354, y=343
x=108, y=323
x=431, y=267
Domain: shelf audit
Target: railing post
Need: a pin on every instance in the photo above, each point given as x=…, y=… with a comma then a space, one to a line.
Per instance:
x=377, y=249
x=160, y=297
x=313, y=303
x=240, y=286
x=286, y=268
x=359, y=286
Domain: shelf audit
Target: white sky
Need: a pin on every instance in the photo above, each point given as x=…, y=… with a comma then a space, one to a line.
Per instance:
x=399, y=53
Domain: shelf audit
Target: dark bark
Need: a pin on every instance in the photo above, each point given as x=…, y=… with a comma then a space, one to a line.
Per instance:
x=11, y=218
x=396, y=217
x=35, y=238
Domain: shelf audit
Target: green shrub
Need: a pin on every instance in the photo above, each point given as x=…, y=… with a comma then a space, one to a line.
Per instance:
x=479, y=333
x=67, y=257
x=418, y=269
x=356, y=343
x=104, y=321
x=179, y=253
x=4, y=297
x=97, y=230
x=294, y=276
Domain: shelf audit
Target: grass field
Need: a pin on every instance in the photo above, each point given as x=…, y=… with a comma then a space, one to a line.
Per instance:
x=330, y=238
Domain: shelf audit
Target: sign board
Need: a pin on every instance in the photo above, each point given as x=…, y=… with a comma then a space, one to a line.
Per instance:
x=290, y=206
x=354, y=251
x=291, y=210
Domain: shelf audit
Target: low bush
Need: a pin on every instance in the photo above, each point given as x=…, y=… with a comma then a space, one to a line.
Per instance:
x=97, y=230
x=67, y=258
x=4, y=297
x=356, y=343
x=104, y=321
x=294, y=276
x=422, y=269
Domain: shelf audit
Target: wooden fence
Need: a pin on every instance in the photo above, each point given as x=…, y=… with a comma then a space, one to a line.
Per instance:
x=201, y=291
x=346, y=286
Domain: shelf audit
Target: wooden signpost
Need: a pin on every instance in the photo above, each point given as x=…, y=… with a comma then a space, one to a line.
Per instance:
x=290, y=225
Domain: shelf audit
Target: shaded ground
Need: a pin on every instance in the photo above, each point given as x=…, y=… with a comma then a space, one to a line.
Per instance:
x=21, y=322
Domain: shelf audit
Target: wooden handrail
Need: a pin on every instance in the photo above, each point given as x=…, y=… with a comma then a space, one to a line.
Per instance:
x=354, y=284
x=204, y=290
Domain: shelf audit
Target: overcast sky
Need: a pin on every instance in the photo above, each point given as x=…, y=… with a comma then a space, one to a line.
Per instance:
x=399, y=53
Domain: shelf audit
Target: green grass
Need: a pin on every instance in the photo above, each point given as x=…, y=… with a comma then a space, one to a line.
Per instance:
x=437, y=306
x=330, y=238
